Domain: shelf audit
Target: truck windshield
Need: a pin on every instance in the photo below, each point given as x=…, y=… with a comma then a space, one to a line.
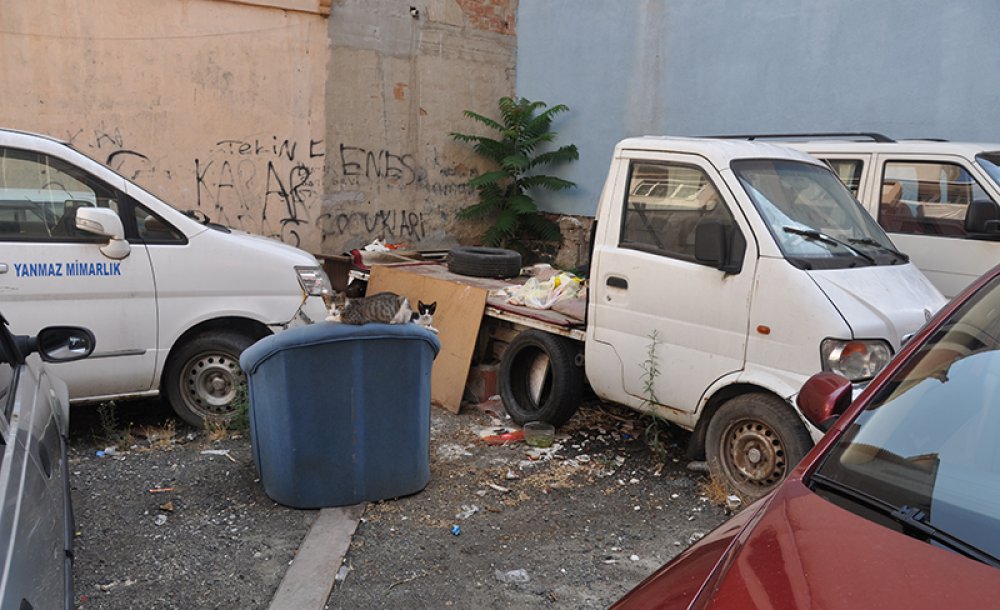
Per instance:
x=812, y=215
x=925, y=447
x=991, y=163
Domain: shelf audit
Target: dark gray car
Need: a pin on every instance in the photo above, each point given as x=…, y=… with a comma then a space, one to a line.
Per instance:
x=36, y=517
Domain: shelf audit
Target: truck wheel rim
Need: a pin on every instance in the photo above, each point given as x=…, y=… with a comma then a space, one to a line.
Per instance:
x=755, y=453
x=210, y=383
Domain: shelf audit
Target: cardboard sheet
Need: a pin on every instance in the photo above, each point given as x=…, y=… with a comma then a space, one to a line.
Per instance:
x=458, y=315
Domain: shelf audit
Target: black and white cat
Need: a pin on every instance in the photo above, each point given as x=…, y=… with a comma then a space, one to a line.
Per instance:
x=424, y=315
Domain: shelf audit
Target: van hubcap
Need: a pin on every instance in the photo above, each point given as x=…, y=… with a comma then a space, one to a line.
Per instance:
x=210, y=383
x=756, y=453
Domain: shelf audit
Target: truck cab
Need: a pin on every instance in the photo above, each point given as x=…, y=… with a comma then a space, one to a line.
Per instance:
x=724, y=274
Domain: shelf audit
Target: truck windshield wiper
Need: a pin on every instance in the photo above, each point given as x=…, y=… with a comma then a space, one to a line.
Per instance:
x=867, y=241
x=814, y=234
x=913, y=520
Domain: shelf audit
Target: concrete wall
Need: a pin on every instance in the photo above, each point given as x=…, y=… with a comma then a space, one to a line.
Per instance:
x=214, y=105
x=398, y=85
x=907, y=68
x=269, y=115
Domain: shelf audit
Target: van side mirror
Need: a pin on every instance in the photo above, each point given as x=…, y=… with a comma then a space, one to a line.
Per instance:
x=106, y=223
x=983, y=218
x=58, y=343
x=713, y=246
x=823, y=398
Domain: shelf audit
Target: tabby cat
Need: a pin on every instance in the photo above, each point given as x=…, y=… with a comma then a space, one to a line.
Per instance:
x=384, y=307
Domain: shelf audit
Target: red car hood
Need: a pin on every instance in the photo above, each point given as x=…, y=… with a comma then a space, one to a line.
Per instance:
x=805, y=552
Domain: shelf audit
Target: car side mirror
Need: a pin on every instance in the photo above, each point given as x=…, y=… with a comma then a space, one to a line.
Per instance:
x=713, y=246
x=106, y=223
x=823, y=398
x=58, y=343
x=983, y=218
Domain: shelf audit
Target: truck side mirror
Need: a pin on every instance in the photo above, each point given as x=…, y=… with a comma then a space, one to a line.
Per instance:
x=823, y=398
x=983, y=217
x=106, y=223
x=713, y=246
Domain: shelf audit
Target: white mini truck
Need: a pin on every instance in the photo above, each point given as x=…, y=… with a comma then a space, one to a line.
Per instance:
x=172, y=298
x=724, y=274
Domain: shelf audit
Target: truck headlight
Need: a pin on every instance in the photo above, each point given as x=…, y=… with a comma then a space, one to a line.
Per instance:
x=314, y=280
x=855, y=359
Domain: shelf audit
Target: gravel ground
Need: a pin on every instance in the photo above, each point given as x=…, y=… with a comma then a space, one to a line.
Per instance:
x=177, y=518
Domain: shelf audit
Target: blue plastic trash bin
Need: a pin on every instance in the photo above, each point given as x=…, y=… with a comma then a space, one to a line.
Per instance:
x=340, y=414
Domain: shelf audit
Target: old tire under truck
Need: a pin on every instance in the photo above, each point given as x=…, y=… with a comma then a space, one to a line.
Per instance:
x=540, y=379
x=203, y=377
x=753, y=441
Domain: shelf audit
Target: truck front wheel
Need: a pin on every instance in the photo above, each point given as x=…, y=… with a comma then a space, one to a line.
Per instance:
x=540, y=379
x=203, y=377
x=753, y=441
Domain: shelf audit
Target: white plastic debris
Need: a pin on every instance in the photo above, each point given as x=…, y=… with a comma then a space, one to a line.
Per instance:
x=513, y=576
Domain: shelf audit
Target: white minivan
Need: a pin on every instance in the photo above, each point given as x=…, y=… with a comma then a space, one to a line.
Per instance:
x=939, y=201
x=172, y=298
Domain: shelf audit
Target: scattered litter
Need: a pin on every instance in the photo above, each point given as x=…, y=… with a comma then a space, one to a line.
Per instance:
x=698, y=466
x=222, y=452
x=167, y=506
x=543, y=453
x=695, y=537
x=610, y=561
x=467, y=511
x=619, y=460
x=504, y=438
x=499, y=488
x=633, y=558
x=107, y=452
x=583, y=458
x=733, y=502
x=511, y=476
x=159, y=490
x=160, y=519
x=633, y=480
x=456, y=530
x=342, y=573
x=513, y=576
x=674, y=496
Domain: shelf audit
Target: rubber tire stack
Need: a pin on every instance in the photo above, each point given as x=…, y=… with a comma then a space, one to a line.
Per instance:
x=477, y=261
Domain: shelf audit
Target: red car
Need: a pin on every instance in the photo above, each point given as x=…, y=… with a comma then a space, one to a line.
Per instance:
x=898, y=506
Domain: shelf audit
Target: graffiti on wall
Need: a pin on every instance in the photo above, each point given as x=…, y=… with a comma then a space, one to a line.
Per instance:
x=262, y=185
x=273, y=185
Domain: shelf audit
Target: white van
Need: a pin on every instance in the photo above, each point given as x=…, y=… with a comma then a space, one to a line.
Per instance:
x=939, y=201
x=172, y=298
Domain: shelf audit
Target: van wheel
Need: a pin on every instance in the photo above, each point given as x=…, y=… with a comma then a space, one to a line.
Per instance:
x=753, y=441
x=539, y=378
x=203, y=377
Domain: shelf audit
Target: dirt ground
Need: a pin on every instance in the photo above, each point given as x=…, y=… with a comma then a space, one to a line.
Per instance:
x=176, y=517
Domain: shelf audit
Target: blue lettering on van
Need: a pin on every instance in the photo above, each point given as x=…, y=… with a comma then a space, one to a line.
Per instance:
x=74, y=268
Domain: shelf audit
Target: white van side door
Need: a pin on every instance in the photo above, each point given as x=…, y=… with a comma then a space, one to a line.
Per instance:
x=649, y=287
x=923, y=204
x=51, y=273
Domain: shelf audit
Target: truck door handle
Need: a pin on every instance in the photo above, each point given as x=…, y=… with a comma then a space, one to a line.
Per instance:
x=617, y=282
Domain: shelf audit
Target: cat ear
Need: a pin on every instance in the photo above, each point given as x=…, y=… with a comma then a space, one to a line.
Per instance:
x=432, y=307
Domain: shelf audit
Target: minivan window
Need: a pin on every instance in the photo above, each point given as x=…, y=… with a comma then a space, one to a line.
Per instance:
x=849, y=172
x=927, y=198
x=664, y=204
x=812, y=215
x=39, y=196
x=928, y=440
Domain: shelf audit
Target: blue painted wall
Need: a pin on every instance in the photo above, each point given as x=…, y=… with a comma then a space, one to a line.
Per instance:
x=906, y=68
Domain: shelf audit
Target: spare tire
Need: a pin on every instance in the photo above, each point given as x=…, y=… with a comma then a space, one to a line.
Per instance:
x=478, y=261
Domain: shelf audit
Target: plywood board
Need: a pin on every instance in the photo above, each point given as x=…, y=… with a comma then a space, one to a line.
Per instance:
x=458, y=315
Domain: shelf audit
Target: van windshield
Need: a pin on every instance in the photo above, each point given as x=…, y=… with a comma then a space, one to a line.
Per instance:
x=812, y=215
x=991, y=163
